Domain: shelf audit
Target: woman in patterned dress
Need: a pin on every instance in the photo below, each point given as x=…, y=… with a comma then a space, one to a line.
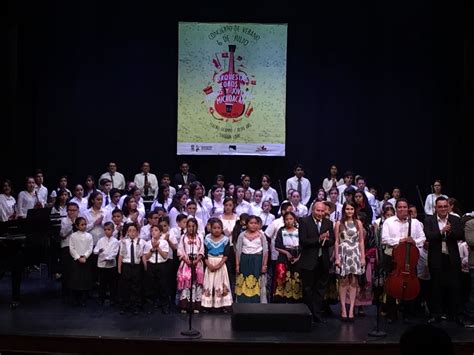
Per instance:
x=350, y=256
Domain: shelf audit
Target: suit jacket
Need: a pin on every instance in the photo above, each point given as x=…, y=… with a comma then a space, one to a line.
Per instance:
x=434, y=237
x=178, y=179
x=310, y=245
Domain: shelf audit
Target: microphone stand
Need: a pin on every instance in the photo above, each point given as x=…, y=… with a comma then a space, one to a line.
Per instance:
x=192, y=333
x=377, y=333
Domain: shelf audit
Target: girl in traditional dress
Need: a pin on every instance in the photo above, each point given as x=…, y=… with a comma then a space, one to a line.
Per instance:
x=288, y=287
x=251, y=254
x=216, y=278
x=190, y=252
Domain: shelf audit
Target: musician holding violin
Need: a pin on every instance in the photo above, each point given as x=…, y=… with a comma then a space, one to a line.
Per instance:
x=402, y=237
x=443, y=232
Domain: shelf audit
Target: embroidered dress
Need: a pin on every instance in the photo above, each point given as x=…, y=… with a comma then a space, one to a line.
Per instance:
x=216, y=284
x=248, y=283
x=191, y=247
x=288, y=288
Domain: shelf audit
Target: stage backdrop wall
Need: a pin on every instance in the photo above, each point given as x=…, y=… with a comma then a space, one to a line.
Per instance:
x=374, y=87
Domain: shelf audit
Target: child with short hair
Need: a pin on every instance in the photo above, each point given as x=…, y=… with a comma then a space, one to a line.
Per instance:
x=129, y=269
x=107, y=249
x=155, y=256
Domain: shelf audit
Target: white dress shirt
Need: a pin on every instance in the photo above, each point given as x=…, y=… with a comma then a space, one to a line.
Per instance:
x=373, y=204
x=165, y=205
x=156, y=257
x=125, y=245
x=327, y=184
x=118, y=180
x=336, y=215
x=42, y=193
x=270, y=195
x=82, y=203
x=145, y=233
x=54, y=193
x=430, y=203
x=215, y=209
x=267, y=218
x=174, y=237
x=341, y=189
x=256, y=208
x=243, y=207
x=108, y=210
x=108, y=258
x=292, y=183
x=394, y=229
x=65, y=231
x=152, y=180
x=172, y=191
x=91, y=216
x=172, y=214
x=441, y=224
x=271, y=232
x=7, y=207
x=300, y=210
x=80, y=244
x=26, y=201
x=392, y=201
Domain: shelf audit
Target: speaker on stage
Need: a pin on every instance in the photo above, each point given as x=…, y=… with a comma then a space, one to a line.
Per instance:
x=271, y=317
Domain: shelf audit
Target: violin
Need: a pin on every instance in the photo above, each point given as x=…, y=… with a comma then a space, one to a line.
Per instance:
x=229, y=102
x=402, y=283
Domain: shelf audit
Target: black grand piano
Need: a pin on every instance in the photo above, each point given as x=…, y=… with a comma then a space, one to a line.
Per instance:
x=27, y=242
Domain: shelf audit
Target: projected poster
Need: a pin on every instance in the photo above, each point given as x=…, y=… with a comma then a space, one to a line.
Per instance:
x=231, y=89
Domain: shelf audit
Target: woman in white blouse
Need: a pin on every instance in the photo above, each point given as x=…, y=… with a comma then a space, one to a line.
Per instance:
x=162, y=198
x=28, y=198
x=79, y=198
x=60, y=205
x=217, y=203
x=7, y=202
x=95, y=216
x=241, y=206
x=332, y=180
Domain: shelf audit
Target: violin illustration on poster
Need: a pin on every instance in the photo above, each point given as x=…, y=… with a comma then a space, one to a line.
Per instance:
x=230, y=92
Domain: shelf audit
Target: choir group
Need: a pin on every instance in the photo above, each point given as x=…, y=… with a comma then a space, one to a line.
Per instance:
x=152, y=243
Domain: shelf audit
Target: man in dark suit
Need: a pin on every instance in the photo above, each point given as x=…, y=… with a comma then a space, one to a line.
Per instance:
x=316, y=235
x=184, y=177
x=442, y=232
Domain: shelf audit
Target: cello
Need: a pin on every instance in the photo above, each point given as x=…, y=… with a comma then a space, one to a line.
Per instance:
x=402, y=283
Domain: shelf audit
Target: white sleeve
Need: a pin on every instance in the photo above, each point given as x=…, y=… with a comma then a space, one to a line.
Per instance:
x=90, y=246
x=72, y=248
x=276, y=201
x=428, y=207
x=307, y=193
x=113, y=251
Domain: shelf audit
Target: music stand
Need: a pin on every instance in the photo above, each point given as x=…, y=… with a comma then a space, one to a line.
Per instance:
x=192, y=333
x=39, y=214
x=377, y=333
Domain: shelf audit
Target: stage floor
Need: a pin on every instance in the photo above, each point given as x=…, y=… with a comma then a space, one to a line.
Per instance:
x=43, y=323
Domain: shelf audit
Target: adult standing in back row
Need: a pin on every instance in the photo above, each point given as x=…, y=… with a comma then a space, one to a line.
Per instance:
x=300, y=183
x=117, y=179
x=184, y=177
